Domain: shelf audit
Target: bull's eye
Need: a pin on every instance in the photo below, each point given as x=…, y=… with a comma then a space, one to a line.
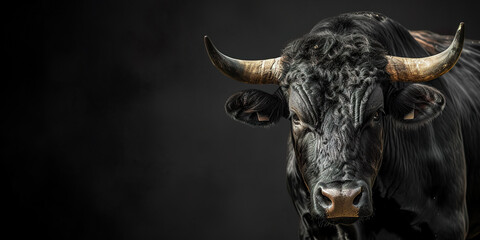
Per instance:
x=295, y=119
x=376, y=116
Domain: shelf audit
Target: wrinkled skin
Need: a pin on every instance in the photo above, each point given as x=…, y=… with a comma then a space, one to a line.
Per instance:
x=407, y=147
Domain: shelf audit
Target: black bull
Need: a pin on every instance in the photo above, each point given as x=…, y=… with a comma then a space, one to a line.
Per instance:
x=385, y=140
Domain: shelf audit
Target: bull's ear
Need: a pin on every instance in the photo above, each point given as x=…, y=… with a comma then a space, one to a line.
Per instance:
x=256, y=108
x=416, y=104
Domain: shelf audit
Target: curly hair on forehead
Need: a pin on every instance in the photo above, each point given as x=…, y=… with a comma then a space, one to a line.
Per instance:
x=331, y=58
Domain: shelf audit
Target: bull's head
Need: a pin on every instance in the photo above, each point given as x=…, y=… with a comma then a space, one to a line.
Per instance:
x=336, y=91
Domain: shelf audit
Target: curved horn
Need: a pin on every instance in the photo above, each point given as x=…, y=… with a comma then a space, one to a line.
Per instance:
x=428, y=68
x=266, y=71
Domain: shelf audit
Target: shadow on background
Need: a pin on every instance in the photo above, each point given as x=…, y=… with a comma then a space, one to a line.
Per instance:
x=115, y=125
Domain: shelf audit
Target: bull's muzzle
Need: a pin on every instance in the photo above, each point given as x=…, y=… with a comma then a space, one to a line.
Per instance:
x=341, y=202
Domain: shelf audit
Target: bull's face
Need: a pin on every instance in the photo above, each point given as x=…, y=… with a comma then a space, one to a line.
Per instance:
x=337, y=93
x=338, y=147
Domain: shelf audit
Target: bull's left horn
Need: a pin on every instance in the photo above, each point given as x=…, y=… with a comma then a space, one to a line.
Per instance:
x=266, y=71
x=404, y=69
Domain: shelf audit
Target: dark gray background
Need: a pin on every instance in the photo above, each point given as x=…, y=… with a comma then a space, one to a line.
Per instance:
x=114, y=121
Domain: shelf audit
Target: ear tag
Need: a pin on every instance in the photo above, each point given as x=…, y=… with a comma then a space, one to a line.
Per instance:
x=262, y=118
x=410, y=115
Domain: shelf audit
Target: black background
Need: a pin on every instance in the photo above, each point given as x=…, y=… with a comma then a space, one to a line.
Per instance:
x=114, y=125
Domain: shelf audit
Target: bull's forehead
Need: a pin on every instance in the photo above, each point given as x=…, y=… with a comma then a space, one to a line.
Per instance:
x=332, y=73
x=349, y=99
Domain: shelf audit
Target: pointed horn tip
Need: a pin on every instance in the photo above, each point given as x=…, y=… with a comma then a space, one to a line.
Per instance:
x=461, y=30
x=459, y=36
x=207, y=42
x=206, y=39
x=461, y=26
x=211, y=50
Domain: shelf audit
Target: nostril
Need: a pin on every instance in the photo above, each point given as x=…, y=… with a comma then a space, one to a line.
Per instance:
x=326, y=200
x=356, y=200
